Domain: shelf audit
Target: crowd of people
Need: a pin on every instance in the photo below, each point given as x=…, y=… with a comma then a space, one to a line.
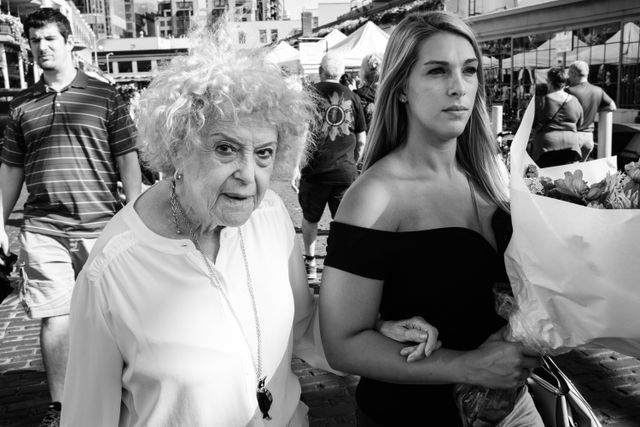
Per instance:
x=185, y=305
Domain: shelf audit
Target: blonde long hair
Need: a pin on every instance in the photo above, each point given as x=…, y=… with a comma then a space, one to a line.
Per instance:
x=477, y=149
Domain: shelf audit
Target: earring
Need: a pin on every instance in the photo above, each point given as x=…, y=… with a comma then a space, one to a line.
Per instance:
x=403, y=98
x=177, y=176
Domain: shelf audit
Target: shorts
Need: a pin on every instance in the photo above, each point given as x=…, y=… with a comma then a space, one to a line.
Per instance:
x=314, y=197
x=557, y=158
x=49, y=267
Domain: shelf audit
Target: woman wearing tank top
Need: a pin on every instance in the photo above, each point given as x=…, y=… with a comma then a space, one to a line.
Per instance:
x=557, y=120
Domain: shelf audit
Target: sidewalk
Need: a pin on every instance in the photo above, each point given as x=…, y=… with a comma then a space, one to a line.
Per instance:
x=608, y=380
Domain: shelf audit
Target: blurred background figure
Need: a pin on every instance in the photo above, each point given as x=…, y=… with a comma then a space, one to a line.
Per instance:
x=369, y=75
x=348, y=81
x=340, y=135
x=593, y=99
x=557, y=118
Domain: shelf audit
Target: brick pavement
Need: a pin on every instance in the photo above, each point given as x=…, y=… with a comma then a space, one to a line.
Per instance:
x=610, y=381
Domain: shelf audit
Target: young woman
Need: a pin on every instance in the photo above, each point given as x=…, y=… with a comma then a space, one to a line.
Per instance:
x=421, y=232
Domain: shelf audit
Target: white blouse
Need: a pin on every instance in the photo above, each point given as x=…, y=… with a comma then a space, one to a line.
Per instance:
x=153, y=343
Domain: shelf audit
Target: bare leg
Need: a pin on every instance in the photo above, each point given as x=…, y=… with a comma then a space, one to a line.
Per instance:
x=54, y=342
x=309, y=236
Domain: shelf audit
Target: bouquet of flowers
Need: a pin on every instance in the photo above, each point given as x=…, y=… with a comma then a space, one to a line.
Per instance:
x=572, y=264
x=619, y=190
x=573, y=269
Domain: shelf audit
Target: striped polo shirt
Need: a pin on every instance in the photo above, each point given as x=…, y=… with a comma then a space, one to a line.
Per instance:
x=67, y=142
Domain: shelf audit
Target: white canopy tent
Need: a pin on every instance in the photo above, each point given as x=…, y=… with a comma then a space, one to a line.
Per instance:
x=365, y=40
x=284, y=55
x=489, y=62
x=609, y=52
x=544, y=56
x=333, y=38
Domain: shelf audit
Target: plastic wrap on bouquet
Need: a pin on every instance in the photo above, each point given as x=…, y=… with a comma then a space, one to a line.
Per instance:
x=574, y=270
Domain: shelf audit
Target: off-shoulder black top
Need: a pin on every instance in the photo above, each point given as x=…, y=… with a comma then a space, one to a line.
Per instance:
x=445, y=275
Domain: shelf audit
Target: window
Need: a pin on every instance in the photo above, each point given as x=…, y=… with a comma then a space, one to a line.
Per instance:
x=242, y=37
x=144, y=66
x=125, y=67
x=263, y=36
x=274, y=35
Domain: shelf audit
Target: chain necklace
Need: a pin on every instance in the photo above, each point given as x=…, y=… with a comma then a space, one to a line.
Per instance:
x=263, y=395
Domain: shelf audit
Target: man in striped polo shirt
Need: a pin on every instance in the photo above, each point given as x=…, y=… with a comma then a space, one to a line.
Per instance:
x=70, y=138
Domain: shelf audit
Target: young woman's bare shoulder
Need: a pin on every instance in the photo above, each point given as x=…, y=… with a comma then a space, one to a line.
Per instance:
x=369, y=202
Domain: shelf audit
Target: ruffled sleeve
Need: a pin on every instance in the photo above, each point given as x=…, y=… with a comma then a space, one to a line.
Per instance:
x=362, y=251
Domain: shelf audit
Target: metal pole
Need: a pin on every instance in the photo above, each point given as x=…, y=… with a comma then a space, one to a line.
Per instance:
x=95, y=52
x=496, y=119
x=605, y=130
x=107, y=58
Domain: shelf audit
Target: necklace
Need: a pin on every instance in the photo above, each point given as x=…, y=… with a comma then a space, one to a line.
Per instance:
x=263, y=395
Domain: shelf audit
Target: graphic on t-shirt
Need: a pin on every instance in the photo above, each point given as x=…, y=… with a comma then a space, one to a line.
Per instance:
x=338, y=116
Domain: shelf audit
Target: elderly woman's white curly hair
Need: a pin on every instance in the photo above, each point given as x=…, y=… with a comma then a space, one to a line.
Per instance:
x=214, y=84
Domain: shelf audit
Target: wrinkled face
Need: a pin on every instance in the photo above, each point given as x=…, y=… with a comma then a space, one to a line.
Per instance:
x=442, y=85
x=227, y=180
x=50, y=50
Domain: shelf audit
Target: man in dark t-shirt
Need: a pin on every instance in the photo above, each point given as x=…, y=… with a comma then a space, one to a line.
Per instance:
x=592, y=98
x=340, y=136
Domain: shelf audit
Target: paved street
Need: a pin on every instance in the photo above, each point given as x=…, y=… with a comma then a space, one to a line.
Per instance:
x=608, y=380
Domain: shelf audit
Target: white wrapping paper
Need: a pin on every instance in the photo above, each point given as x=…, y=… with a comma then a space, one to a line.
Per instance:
x=574, y=270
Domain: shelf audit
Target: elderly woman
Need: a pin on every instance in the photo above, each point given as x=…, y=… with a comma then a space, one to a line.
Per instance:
x=194, y=299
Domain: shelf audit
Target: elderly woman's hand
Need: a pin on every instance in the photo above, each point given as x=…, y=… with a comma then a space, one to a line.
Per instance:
x=414, y=330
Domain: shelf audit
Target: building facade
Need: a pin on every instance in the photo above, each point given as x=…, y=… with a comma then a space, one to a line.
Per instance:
x=17, y=69
x=136, y=60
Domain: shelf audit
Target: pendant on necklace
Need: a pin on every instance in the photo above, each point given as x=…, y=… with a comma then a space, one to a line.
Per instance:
x=264, y=398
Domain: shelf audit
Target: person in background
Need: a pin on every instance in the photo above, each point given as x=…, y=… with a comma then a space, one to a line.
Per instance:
x=593, y=99
x=194, y=299
x=348, y=81
x=70, y=138
x=557, y=119
x=369, y=75
x=340, y=135
x=422, y=232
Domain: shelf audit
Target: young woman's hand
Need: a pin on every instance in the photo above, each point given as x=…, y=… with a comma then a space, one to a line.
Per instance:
x=499, y=364
x=415, y=330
